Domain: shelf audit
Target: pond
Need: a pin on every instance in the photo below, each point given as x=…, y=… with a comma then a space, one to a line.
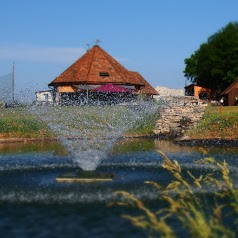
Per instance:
x=34, y=204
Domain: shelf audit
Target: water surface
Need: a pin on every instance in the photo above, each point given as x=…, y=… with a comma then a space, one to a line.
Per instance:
x=33, y=204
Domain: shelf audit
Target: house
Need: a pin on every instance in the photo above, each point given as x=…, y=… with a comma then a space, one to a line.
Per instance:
x=94, y=69
x=44, y=97
x=230, y=94
x=199, y=92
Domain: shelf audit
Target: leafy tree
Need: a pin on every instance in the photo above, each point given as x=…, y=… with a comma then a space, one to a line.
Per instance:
x=215, y=63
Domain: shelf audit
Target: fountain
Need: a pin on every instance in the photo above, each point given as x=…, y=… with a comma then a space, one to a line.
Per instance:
x=88, y=135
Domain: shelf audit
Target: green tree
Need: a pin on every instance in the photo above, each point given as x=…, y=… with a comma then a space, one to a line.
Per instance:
x=215, y=63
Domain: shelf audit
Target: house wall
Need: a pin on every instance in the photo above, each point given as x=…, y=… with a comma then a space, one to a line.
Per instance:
x=44, y=97
x=232, y=95
x=65, y=89
x=196, y=90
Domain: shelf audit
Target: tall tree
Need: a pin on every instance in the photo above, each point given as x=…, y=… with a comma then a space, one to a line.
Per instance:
x=215, y=63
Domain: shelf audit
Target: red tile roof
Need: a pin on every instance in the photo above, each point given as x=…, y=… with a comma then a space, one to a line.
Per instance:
x=97, y=67
x=147, y=89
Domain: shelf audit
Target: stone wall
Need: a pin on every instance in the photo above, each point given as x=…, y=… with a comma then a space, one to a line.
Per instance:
x=164, y=91
x=178, y=114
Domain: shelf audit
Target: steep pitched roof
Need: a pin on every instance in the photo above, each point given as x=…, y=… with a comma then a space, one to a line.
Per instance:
x=147, y=89
x=96, y=67
x=228, y=89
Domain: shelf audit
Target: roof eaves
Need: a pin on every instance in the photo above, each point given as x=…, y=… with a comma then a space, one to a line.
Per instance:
x=228, y=89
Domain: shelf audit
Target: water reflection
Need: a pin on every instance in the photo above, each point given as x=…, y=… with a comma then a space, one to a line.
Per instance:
x=122, y=146
x=142, y=144
x=29, y=189
x=29, y=147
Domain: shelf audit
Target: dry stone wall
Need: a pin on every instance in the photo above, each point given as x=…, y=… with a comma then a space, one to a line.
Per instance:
x=178, y=114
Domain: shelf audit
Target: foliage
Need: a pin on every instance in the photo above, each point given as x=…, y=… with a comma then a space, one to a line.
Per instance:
x=215, y=63
x=186, y=203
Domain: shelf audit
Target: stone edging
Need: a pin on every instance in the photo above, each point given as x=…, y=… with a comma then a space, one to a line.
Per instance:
x=178, y=114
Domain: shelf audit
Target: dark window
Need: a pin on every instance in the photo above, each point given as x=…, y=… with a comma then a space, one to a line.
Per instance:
x=104, y=74
x=46, y=96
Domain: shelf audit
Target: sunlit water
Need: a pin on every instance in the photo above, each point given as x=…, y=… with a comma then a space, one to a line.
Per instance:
x=33, y=204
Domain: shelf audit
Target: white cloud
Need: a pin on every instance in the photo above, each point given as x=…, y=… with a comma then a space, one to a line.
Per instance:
x=40, y=54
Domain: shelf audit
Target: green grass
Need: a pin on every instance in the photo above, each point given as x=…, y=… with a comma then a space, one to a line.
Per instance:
x=89, y=121
x=145, y=126
x=217, y=123
x=19, y=123
x=94, y=121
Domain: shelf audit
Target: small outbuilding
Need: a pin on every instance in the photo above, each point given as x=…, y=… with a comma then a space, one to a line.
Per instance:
x=230, y=94
x=199, y=92
x=44, y=97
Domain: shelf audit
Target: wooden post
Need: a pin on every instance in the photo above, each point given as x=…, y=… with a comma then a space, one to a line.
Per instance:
x=13, y=81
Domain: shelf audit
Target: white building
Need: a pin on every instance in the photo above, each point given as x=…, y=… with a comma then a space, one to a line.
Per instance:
x=44, y=97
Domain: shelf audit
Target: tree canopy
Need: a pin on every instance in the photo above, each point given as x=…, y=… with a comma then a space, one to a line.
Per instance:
x=215, y=63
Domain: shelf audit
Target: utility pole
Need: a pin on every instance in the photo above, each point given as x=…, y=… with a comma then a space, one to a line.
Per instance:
x=13, y=80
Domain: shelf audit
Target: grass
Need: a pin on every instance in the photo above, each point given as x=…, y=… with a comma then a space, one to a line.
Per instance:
x=217, y=123
x=185, y=203
x=22, y=122
x=72, y=121
x=144, y=126
x=19, y=123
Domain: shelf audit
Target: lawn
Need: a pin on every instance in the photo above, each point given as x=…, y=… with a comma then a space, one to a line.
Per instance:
x=217, y=122
x=48, y=122
x=92, y=121
x=19, y=123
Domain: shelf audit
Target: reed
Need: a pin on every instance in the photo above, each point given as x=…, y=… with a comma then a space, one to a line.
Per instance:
x=186, y=203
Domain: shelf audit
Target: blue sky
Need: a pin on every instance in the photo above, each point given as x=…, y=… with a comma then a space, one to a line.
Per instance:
x=153, y=37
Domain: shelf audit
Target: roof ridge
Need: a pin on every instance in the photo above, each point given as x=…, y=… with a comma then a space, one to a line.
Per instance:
x=90, y=65
x=109, y=59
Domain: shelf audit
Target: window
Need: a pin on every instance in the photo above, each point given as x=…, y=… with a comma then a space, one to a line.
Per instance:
x=104, y=74
x=46, y=97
